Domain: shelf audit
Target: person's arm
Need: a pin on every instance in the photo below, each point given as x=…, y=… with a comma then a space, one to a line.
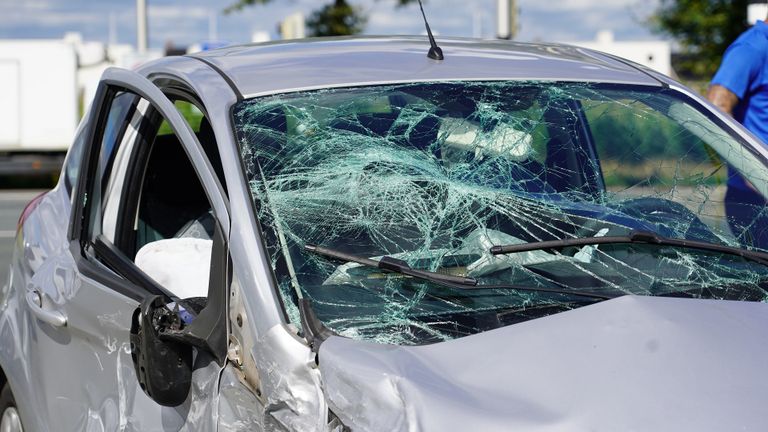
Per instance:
x=723, y=98
x=726, y=101
x=738, y=73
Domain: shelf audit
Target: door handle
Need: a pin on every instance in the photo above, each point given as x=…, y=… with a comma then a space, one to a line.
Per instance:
x=42, y=310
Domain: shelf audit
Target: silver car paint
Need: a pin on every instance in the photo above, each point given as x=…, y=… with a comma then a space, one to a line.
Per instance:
x=42, y=244
x=345, y=62
x=94, y=339
x=264, y=338
x=101, y=375
x=628, y=364
x=364, y=383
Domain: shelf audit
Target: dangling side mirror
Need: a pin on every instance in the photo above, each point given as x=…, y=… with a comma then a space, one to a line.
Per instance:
x=163, y=366
x=164, y=334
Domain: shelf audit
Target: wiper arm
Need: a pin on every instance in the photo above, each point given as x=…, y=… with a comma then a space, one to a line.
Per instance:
x=635, y=237
x=399, y=266
x=394, y=265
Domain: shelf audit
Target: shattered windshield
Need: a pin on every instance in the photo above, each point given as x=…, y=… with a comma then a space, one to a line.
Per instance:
x=435, y=174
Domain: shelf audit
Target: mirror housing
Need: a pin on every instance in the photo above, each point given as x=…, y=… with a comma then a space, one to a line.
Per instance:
x=163, y=365
x=165, y=331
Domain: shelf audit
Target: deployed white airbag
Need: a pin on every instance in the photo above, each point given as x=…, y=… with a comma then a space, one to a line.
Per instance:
x=181, y=265
x=503, y=141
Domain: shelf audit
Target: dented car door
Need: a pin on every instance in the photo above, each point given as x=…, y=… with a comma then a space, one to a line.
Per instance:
x=87, y=295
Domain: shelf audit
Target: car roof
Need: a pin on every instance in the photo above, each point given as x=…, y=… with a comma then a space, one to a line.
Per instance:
x=285, y=66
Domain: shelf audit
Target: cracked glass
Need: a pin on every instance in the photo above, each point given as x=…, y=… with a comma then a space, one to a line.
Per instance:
x=435, y=174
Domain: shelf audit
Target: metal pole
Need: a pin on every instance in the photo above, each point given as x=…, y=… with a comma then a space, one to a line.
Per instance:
x=506, y=19
x=112, y=28
x=502, y=19
x=213, y=28
x=141, y=26
x=513, y=19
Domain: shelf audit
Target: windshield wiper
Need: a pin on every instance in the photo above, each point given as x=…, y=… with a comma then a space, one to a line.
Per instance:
x=634, y=237
x=395, y=265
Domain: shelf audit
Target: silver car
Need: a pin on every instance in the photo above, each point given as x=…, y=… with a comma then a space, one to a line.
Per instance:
x=345, y=234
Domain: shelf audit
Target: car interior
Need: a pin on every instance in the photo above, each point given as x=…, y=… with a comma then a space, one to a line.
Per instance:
x=174, y=215
x=171, y=194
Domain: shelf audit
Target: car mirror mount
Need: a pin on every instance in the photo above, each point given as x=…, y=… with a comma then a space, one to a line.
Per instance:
x=163, y=336
x=163, y=362
x=164, y=332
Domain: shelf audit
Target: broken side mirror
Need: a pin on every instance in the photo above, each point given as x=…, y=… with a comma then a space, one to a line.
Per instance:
x=163, y=339
x=163, y=365
x=165, y=334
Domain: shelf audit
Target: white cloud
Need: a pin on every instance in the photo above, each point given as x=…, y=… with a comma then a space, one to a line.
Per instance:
x=446, y=17
x=53, y=19
x=581, y=5
x=186, y=21
x=168, y=12
x=28, y=4
x=571, y=20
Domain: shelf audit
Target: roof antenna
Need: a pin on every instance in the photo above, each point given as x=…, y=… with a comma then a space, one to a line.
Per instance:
x=435, y=53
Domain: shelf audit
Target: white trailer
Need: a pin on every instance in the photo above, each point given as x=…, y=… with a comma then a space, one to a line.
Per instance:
x=39, y=104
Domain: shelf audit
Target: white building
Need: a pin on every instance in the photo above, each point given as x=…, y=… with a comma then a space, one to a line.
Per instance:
x=656, y=55
x=46, y=83
x=38, y=94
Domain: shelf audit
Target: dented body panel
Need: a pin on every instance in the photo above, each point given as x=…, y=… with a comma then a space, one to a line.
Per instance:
x=632, y=363
x=79, y=378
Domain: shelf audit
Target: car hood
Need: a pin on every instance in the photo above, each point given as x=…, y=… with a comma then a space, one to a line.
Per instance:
x=628, y=364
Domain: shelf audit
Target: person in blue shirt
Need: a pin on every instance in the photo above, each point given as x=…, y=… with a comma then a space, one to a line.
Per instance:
x=740, y=89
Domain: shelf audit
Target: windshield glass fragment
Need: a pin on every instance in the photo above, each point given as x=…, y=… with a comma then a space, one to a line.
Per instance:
x=436, y=174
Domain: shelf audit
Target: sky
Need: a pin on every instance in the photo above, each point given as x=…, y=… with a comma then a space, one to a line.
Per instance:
x=185, y=22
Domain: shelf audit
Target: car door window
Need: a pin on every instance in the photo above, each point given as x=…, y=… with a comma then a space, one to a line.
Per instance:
x=148, y=202
x=173, y=203
x=174, y=221
x=72, y=163
x=121, y=110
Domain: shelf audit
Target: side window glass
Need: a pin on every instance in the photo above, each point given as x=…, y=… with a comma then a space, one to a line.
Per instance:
x=148, y=201
x=191, y=114
x=204, y=132
x=657, y=169
x=173, y=222
x=171, y=193
x=121, y=110
x=74, y=159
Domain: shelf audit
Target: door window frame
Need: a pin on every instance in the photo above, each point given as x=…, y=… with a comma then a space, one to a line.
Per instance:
x=120, y=273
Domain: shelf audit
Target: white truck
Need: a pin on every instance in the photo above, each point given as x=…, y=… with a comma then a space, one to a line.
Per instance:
x=39, y=104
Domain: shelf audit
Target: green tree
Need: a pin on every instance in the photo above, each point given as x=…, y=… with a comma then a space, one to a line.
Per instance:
x=704, y=29
x=338, y=18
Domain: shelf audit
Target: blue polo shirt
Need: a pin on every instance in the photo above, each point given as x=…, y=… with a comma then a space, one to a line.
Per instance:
x=744, y=71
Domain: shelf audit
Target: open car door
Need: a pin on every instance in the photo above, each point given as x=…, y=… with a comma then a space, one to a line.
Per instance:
x=118, y=349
